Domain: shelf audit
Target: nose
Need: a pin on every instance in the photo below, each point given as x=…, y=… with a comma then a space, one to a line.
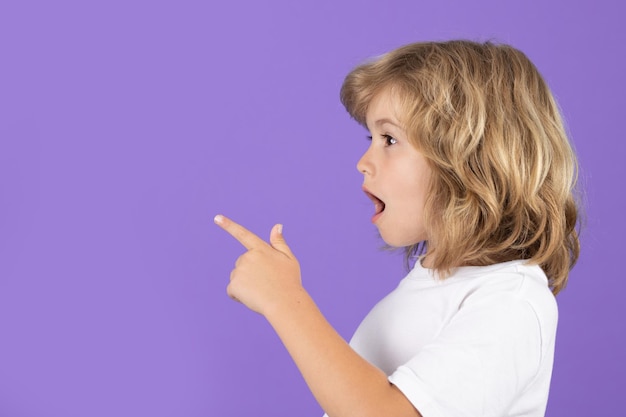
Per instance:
x=364, y=165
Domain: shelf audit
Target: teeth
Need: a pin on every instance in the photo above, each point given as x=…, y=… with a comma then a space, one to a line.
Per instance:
x=379, y=205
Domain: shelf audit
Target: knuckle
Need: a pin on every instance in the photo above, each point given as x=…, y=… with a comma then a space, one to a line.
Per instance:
x=231, y=292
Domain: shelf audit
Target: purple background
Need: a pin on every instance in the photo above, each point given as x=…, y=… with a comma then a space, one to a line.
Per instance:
x=125, y=126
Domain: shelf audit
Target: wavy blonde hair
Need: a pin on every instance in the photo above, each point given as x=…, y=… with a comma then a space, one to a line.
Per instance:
x=504, y=173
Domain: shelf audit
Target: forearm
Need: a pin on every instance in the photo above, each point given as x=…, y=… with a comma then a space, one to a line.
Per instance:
x=267, y=280
x=343, y=383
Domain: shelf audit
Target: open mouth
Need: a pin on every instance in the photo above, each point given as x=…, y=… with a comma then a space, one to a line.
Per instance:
x=379, y=205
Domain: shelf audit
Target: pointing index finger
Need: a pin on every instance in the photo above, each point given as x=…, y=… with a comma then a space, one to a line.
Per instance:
x=248, y=239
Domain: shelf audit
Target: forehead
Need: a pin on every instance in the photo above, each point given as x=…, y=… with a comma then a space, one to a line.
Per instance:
x=384, y=108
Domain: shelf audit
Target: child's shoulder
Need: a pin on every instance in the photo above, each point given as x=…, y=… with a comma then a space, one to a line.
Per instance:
x=505, y=276
x=508, y=285
x=513, y=279
x=513, y=288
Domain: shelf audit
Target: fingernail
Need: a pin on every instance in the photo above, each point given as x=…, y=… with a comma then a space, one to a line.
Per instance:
x=218, y=219
x=280, y=229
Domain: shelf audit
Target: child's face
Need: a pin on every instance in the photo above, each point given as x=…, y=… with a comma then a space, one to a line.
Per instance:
x=396, y=175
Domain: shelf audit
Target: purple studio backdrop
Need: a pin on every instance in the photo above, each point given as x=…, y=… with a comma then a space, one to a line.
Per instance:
x=125, y=126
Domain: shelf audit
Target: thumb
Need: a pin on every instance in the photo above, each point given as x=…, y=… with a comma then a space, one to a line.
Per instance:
x=278, y=241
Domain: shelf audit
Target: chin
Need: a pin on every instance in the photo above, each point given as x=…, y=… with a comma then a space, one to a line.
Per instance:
x=397, y=241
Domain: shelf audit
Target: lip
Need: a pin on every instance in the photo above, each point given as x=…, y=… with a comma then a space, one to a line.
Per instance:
x=379, y=204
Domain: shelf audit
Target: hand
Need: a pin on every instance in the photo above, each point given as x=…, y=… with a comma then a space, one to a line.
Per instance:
x=267, y=274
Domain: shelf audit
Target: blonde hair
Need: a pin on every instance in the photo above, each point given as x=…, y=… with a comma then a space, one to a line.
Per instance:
x=504, y=173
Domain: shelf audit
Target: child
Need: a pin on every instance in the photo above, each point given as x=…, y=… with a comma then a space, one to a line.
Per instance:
x=470, y=171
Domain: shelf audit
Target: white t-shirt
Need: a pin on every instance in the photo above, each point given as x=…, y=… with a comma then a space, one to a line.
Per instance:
x=479, y=343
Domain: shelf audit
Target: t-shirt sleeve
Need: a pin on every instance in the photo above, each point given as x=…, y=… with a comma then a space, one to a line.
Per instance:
x=480, y=362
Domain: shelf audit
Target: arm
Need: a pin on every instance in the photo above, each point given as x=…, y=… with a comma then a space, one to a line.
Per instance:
x=343, y=383
x=267, y=280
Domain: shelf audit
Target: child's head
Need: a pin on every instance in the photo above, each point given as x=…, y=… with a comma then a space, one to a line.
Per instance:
x=503, y=171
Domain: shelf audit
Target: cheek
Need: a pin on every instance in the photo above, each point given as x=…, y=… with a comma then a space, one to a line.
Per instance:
x=407, y=225
x=413, y=208
x=416, y=198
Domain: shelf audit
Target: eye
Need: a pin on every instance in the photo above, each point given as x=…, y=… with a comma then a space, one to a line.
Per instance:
x=368, y=138
x=389, y=140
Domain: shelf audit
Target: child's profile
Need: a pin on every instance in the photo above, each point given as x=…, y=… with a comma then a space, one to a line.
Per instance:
x=470, y=172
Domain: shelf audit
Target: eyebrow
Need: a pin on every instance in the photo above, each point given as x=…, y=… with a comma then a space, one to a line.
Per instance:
x=381, y=122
